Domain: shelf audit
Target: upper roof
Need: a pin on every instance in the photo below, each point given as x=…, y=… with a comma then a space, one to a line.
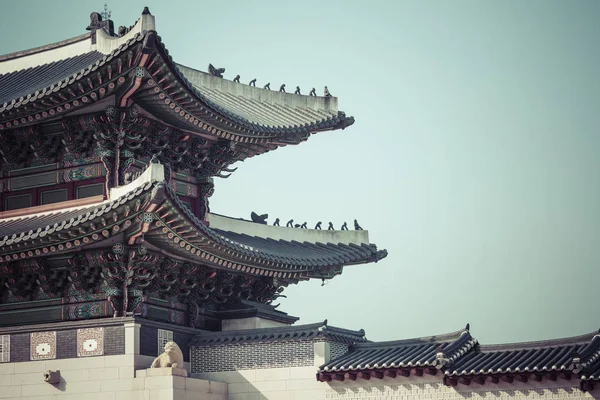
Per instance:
x=59, y=80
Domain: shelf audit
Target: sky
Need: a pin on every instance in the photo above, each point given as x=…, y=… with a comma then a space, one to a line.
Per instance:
x=474, y=159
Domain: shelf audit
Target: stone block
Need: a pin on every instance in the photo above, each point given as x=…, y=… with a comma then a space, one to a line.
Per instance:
x=10, y=392
x=74, y=375
x=161, y=394
x=303, y=373
x=103, y=373
x=244, y=396
x=267, y=386
x=6, y=380
x=138, y=383
x=126, y=372
x=118, y=361
x=30, y=366
x=179, y=382
x=272, y=374
x=7, y=368
x=136, y=395
x=238, y=387
x=197, y=385
x=158, y=382
x=314, y=394
x=218, y=387
x=41, y=389
x=167, y=371
x=34, y=378
x=281, y=395
x=116, y=385
x=86, y=396
x=303, y=384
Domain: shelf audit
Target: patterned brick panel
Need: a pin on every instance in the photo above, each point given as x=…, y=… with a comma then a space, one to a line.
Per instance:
x=43, y=345
x=418, y=391
x=114, y=340
x=90, y=342
x=66, y=344
x=253, y=356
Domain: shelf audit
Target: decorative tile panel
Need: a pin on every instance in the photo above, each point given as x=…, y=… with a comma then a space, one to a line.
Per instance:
x=43, y=345
x=4, y=348
x=164, y=336
x=90, y=342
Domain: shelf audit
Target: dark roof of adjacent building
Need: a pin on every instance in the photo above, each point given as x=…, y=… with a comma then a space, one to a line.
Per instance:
x=420, y=352
x=541, y=356
x=320, y=330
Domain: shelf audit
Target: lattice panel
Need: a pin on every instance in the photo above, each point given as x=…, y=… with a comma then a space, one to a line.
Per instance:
x=5, y=348
x=17, y=202
x=95, y=189
x=54, y=196
x=164, y=336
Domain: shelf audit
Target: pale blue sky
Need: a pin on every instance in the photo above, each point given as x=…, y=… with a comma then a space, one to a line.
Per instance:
x=474, y=158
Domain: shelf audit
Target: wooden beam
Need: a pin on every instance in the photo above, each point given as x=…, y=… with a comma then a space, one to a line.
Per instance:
x=565, y=375
x=377, y=374
x=522, y=377
x=507, y=378
x=537, y=377
x=364, y=375
x=403, y=372
x=451, y=381
x=390, y=373
x=418, y=372
x=338, y=377
x=324, y=377
x=464, y=380
x=479, y=379
x=431, y=371
x=494, y=379
x=351, y=376
x=551, y=376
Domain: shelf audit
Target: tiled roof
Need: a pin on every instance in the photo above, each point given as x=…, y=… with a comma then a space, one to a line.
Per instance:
x=28, y=81
x=309, y=256
x=590, y=360
x=300, y=332
x=29, y=227
x=421, y=352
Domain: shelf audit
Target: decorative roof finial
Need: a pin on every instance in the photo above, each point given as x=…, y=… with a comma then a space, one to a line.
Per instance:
x=357, y=227
x=252, y=82
x=106, y=13
x=268, y=86
x=218, y=72
x=237, y=78
x=146, y=11
x=282, y=88
x=313, y=92
x=297, y=90
x=344, y=227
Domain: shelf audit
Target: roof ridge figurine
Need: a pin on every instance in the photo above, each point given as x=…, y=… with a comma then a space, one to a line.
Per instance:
x=218, y=72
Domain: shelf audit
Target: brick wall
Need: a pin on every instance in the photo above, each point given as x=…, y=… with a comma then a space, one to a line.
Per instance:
x=256, y=355
x=114, y=340
x=66, y=344
x=19, y=347
x=149, y=340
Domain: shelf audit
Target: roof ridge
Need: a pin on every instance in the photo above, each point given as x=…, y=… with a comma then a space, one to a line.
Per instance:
x=46, y=47
x=446, y=337
x=580, y=339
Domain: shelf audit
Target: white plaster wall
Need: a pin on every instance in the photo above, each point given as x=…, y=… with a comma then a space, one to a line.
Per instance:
x=249, y=323
x=106, y=378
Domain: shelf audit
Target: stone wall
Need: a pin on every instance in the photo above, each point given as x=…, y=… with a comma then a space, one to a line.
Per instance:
x=102, y=378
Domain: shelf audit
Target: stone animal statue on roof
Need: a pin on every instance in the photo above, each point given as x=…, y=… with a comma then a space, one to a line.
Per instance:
x=297, y=90
x=327, y=94
x=330, y=227
x=313, y=92
x=345, y=226
x=218, y=72
x=282, y=88
x=252, y=82
x=259, y=219
x=237, y=78
x=276, y=223
x=304, y=225
x=290, y=223
x=357, y=226
x=267, y=86
x=318, y=225
x=172, y=357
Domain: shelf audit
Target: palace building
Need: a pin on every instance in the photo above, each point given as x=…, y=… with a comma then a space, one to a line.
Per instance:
x=108, y=248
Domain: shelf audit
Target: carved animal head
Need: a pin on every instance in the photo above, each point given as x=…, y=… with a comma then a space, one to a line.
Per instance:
x=172, y=348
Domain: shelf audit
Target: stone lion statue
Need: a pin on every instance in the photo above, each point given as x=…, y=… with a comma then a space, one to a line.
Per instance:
x=172, y=357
